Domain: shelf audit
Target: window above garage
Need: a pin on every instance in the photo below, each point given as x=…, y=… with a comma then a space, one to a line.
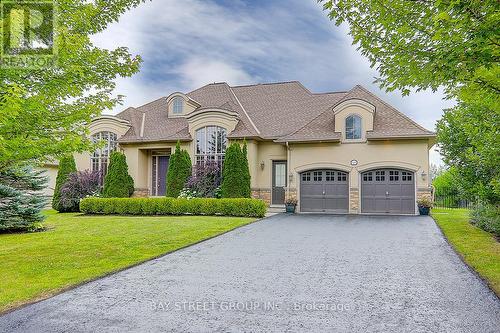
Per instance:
x=353, y=118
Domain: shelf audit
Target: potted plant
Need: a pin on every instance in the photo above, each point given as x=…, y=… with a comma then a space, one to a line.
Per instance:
x=424, y=205
x=291, y=203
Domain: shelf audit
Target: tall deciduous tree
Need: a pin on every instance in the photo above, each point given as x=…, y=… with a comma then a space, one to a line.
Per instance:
x=179, y=170
x=44, y=112
x=67, y=166
x=424, y=44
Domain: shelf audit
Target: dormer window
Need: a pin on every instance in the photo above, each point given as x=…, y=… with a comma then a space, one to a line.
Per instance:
x=177, y=105
x=353, y=127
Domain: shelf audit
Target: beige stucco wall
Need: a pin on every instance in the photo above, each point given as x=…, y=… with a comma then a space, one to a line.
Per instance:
x=412, y=155
x=50, y=171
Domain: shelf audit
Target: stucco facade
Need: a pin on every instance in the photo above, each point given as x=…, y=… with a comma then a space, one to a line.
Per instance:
x=280, y=149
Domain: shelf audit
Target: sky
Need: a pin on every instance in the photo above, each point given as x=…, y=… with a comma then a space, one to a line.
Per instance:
x=187, y=44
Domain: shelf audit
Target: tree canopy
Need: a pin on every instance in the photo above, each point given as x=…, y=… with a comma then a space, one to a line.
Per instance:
x=428, y=44
x=44, y=112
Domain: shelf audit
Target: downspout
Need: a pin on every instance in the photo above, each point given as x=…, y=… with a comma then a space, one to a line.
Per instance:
x=288, y=155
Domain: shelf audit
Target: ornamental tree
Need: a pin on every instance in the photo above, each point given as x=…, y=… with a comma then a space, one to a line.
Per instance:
x=78, y=186
x=21, y=200
x=67, y=166
x=179, y=170
x=117, y=182
x=235, y=174
x=246, y=190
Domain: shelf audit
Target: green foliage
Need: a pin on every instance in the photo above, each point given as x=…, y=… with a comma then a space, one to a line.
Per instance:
x=67, y=166
x=246, y=185
x=21, y=202
x=45, y=112
x=447, y=182
x=470, y=142
x=118, y=183
x=235, y=173
x=424, y=44
x=174, y=206
x=431, y=44
x=179, y=170
x=487, y=217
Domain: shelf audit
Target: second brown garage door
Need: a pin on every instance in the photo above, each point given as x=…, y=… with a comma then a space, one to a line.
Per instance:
x=388, y=191
x=324, y=191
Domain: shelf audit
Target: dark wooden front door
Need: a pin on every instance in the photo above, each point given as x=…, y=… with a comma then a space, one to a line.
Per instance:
x=279, y=183
x=159, y=181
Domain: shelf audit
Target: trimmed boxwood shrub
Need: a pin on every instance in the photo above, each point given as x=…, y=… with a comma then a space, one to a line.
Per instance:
x=172, y=206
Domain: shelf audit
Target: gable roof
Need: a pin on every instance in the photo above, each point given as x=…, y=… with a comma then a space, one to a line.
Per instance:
x=284, y=111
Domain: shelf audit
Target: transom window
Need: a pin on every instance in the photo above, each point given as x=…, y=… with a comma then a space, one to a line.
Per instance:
x=177, y=105
x=211, y=143
x=353, y=127
x=100, y=158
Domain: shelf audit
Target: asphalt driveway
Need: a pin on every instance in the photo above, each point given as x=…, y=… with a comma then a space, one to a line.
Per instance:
x=303, y=273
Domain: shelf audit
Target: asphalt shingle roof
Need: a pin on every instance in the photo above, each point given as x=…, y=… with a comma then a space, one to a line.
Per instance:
x=284, y=111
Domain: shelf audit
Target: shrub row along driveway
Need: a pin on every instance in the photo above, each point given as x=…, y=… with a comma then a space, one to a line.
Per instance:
x=287, y=273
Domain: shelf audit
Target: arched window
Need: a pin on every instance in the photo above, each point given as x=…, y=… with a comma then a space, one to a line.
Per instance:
x=353, y=127
x=178, y=104
x=211, y=143
x=100, y=158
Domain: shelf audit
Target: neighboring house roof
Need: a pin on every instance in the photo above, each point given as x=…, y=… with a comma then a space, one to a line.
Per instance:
x=284, y=111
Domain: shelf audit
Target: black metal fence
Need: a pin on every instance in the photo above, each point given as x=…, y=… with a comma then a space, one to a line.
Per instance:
x=452, y=200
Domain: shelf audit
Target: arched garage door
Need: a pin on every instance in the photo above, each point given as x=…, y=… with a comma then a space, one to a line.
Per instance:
x=388, y=191
x=324, y=191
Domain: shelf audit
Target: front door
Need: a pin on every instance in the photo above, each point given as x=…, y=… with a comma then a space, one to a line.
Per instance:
x=279, y=183
x=159, y=180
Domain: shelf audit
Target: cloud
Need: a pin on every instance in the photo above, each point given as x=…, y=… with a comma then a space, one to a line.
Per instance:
x=186, y=44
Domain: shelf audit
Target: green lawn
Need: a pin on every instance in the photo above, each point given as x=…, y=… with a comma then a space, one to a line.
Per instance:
x=78, y=248
x=479, y=249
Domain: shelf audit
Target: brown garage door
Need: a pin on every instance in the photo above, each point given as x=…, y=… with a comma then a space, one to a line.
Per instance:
x=324, y=191
x=388, y=191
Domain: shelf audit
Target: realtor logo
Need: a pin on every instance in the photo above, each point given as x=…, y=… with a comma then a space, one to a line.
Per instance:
x=28, y=29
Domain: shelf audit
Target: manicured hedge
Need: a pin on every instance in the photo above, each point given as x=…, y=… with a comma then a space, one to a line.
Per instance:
x=172, y=206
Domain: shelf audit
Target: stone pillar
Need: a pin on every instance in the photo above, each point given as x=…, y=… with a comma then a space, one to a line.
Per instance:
x=354, y=201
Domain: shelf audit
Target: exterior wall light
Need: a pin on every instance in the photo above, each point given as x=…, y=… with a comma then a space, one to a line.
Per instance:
x=262, y=165
x=423, y=174
x=290, y=177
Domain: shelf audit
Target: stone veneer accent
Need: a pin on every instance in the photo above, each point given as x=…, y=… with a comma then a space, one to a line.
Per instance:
x=424, y=193
x=264, y=194
x=354, y=201
x=140, y=193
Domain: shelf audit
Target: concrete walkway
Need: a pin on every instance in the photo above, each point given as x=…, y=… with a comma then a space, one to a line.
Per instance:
x=301, y=273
